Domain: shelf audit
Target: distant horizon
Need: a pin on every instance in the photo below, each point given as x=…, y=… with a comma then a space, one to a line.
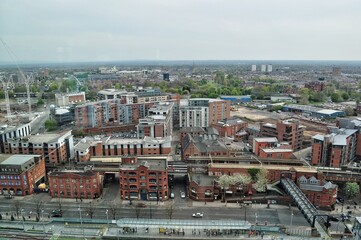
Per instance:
x=145, y=61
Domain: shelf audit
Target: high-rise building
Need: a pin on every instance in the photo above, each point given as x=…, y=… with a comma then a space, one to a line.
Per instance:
x=254, y=68
x=269, y=68
x=263, y=68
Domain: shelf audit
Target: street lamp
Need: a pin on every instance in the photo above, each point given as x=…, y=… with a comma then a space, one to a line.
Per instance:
x=22, y=215
x=81, y=221
x=256, y=218
x=106, y=212
x=42, y=217
x=291, y=219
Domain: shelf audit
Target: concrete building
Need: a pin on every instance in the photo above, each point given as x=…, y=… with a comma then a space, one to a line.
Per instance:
x=269, y=68
x=277, y=153
x=254, y=68
x=75, y=184
x=289, y=131
x=113, y=146
x=56, y=148
x=144, y=180
x=203, y=112
x=62, y=100
x=158, y=123
x=263, y=68
x=63, y=116
x=20, y=174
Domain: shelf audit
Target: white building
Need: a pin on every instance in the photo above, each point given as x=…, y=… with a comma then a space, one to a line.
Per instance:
x=254, y=68
x=269, y=68
x=263, y=68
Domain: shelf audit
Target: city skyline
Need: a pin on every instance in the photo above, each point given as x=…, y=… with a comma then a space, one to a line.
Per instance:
x=91, y=31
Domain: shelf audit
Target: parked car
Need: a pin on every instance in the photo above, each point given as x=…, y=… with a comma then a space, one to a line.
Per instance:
x=183, y=195
x=197, y=215
x=172, y=195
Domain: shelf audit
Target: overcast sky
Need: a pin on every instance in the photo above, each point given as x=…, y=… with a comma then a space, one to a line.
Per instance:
x=105, y=30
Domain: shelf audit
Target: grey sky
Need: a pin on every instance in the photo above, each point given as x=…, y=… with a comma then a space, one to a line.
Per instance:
x=93, y=30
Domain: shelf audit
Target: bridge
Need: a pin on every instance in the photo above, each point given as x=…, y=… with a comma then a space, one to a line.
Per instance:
x=305, y=206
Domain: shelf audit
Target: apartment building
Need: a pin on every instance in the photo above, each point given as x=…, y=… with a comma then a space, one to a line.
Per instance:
x=158, y=123
x=203, y=112
x=12, y=131
x=20, y=174
x=56, y=148
x=79, y=184
x=144, y=180
x=289, y=131
x=340, y=146
x=113, y=146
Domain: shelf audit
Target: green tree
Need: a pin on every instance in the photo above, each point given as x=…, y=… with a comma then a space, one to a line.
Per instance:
x=349, y=111
x=262, y=180
x=352, y=189
x=336, y=97
x=51, y=124
x=345, y=96
x=40, y=102
x=54, y=86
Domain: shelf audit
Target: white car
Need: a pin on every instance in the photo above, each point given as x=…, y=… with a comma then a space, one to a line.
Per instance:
x=183, y=195
x=197, y=215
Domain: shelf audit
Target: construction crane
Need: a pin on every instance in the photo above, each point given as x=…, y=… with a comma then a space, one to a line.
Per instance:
x=7, y=102
x=78, y=83
x=25, y=78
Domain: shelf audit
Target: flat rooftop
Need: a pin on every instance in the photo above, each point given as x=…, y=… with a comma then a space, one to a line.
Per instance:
x=8, y=159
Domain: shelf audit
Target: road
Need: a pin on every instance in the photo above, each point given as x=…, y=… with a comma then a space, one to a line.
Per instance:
x=37, y=125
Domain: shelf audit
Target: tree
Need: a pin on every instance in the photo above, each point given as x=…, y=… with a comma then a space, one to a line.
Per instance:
x=17, y=207
x=39, y=205
x=40, y=102
x=53, y=86
x=352, y=189
x=138, y=208
x=51, y=124
x=90, y=210
x=224, y=182
x=345, y=96
x=113, y=210
x=349, y=111
x=336, y=97
x=170, y=208
x=241, y=180
x=262, y=180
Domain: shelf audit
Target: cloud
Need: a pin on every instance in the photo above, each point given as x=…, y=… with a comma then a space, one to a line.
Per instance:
x=86, y=30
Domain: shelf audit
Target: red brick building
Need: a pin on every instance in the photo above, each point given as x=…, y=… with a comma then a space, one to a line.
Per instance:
x=279, y=153
x=20, y=174
x=69, y=98
x=335, y=149
x=319, y=192
x=230, y=127
x=193, y=131
x=144, y=180
x=263, y=142
x=322, y=194
x=289, y=131
x=203, y=146
x=315, y=86
x=75, y=184
x=109, y=146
